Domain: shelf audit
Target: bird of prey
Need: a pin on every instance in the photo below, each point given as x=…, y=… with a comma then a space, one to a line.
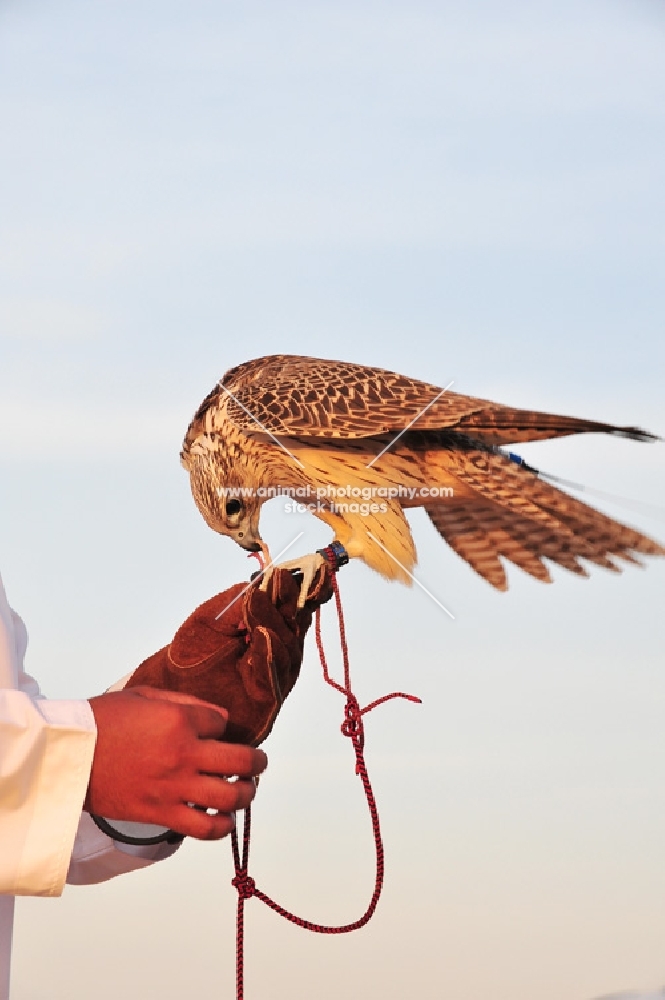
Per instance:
x=331, y=429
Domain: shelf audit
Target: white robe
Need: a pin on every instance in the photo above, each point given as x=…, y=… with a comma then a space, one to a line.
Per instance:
x=46, y=750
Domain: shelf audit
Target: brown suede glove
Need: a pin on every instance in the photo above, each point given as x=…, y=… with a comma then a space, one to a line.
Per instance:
x=248, y=659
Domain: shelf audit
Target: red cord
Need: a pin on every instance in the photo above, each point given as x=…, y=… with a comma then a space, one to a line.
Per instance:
x=354, y=729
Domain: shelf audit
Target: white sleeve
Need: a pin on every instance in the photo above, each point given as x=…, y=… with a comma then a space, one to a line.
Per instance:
x=46, y=751
x=45, y=760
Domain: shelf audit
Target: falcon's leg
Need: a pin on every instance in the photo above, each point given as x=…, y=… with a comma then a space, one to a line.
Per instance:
x=308, y=565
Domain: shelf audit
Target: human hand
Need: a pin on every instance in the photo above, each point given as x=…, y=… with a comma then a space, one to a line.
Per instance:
x=157, y=751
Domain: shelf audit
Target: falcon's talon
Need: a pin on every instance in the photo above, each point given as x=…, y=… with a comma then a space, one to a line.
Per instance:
x=308, y=565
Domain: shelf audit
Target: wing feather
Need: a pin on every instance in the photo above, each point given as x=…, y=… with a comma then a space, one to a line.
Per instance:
x=292, y=395
x=515, y=515
x=481, y=533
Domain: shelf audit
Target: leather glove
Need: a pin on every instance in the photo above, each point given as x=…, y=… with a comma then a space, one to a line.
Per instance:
x=242, y=653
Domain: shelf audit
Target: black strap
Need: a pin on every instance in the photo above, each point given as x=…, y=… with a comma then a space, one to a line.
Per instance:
x=167, y=837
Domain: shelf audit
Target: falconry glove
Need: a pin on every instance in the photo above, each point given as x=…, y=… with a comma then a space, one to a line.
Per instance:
x=241, y=650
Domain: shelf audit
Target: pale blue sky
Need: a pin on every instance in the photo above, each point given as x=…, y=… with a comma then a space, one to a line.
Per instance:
x=453, y=190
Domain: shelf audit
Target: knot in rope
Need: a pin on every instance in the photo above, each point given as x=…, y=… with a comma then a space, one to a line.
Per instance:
x=245, y=885
x=353, y=722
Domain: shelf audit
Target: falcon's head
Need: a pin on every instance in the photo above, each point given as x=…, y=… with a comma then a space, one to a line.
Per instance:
x=225, y=509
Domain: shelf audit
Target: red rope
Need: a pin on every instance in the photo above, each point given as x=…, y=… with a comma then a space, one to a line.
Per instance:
x=354, y=729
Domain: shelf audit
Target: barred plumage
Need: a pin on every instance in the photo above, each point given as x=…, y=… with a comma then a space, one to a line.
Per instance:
x=292, y=421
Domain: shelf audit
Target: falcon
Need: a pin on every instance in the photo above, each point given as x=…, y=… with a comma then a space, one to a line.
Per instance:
x=339, y=433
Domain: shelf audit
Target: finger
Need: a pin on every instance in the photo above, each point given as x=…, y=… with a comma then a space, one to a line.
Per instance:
x=159, y=694
x=203, y=826
x=229, y=759
x=225, y=796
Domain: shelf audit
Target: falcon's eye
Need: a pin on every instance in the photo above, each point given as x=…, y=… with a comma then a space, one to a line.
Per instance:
x=233, y=507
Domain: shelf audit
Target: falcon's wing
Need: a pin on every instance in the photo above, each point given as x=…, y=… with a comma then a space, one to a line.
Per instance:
x=294, y=396
x=513, y=514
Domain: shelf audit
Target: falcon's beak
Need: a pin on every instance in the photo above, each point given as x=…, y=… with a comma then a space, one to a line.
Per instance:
x=251, y=546
x=246, y=539
x=247, y=534
x=256, y=545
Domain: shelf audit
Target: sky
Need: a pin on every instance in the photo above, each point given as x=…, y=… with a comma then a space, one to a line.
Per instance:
x=469, y=191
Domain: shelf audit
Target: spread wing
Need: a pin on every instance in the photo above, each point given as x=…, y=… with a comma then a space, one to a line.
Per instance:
x=512, y=514
x=293, y=396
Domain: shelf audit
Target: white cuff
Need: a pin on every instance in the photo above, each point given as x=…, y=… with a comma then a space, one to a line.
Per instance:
x=96, y=857
x=47, y=751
